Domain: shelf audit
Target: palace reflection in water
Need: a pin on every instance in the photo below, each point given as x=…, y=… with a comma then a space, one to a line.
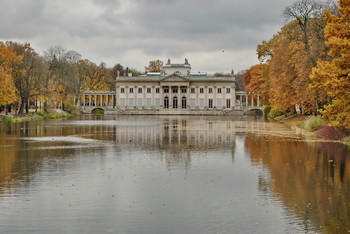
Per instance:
x=221, y=175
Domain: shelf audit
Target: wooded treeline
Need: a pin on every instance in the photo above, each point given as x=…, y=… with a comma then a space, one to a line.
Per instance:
x=55, y=78
x=306, y=65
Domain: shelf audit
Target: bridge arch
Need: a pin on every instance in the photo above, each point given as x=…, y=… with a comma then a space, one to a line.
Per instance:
x=98, y=110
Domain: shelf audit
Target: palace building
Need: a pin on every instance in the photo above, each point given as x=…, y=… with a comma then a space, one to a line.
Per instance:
x=174, y=90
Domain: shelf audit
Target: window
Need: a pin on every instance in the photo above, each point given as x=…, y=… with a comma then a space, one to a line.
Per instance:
x=148, y=90
x=193, y=90
x=219, y=103
x=193, y=103
x=157, y=102
x=131, y=90
x=157, y=90
x=228, y=90
x=131, y=102
x=201, y=90
x=122, y=102
x=219, y=90
x=210, y=90
x=175, y=102
x=166, y=103
x=149, y=102
x=122, y=90
x=183, y=90
x=139, y=90
x=166, y=90
x=228, y=103
x=175, y=90
x=183, y=105
x=201, y=102
x=139, y=102
x=210, y=103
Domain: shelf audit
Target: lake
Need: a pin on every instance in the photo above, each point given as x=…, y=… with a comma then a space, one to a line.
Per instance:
x=170, y=174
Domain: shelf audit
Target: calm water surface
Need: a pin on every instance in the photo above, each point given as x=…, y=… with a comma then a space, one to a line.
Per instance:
x=145, y=174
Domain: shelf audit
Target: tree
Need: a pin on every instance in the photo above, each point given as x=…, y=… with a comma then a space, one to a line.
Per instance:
x=154, y=66
x=265, y=49
x=95, y=77
x=239, y=77
x=256, y=80
x=135, y=72
x=117, y=70
x=28, y=75
x=291, y=54
x=334, y=76
x=8, y=61
x=63, y=75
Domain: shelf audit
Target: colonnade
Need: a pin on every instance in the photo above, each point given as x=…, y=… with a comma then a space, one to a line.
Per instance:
x=98, y=98
x=244, y=99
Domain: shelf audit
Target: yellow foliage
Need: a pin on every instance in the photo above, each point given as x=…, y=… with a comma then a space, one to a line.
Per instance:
x=8, y=60
x=334, y=76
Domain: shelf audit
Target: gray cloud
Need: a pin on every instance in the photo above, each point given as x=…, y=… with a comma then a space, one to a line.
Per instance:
x=115, y=30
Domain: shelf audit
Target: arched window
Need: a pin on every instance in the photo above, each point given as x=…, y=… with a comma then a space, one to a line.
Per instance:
x=183, y=104
x=175, y=102
x=166, y=103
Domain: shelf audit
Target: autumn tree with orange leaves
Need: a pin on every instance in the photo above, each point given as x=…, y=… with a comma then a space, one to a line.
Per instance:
x=256, y=80
x=290, y=56
x=334, y=76
x=8, y=60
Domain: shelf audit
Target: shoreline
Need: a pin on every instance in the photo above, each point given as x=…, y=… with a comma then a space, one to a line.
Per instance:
x=298, y=120
x=39, y=115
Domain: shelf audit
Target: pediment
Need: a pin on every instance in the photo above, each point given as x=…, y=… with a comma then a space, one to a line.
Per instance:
x=174, y=78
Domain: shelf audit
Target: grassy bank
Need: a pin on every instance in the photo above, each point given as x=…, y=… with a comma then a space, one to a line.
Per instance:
x=316, y=127
x=40, y=115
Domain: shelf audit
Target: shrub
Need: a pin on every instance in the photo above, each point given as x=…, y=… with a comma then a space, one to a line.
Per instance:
x=267, y=110
x=331, y=133
x=313, y=123
x=275, y=112
x=72, y=108
x=6, y=119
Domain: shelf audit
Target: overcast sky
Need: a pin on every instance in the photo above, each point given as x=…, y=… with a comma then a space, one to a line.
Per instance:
x=214, y=35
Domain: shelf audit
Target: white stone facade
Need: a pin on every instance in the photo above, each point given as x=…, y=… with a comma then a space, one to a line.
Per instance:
x=175, y=88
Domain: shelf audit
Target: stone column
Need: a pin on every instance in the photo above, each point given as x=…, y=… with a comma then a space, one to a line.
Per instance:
x=196, y=91
x=206, y=99
x=161, y=97
x=188, y=99
x=135, y=96
x=233, y=97
x=153, y=101
x=79, y=101
x=170, y=96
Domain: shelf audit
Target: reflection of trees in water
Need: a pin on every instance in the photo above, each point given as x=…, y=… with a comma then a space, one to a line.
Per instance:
x=21, y=159
x=313, y=180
